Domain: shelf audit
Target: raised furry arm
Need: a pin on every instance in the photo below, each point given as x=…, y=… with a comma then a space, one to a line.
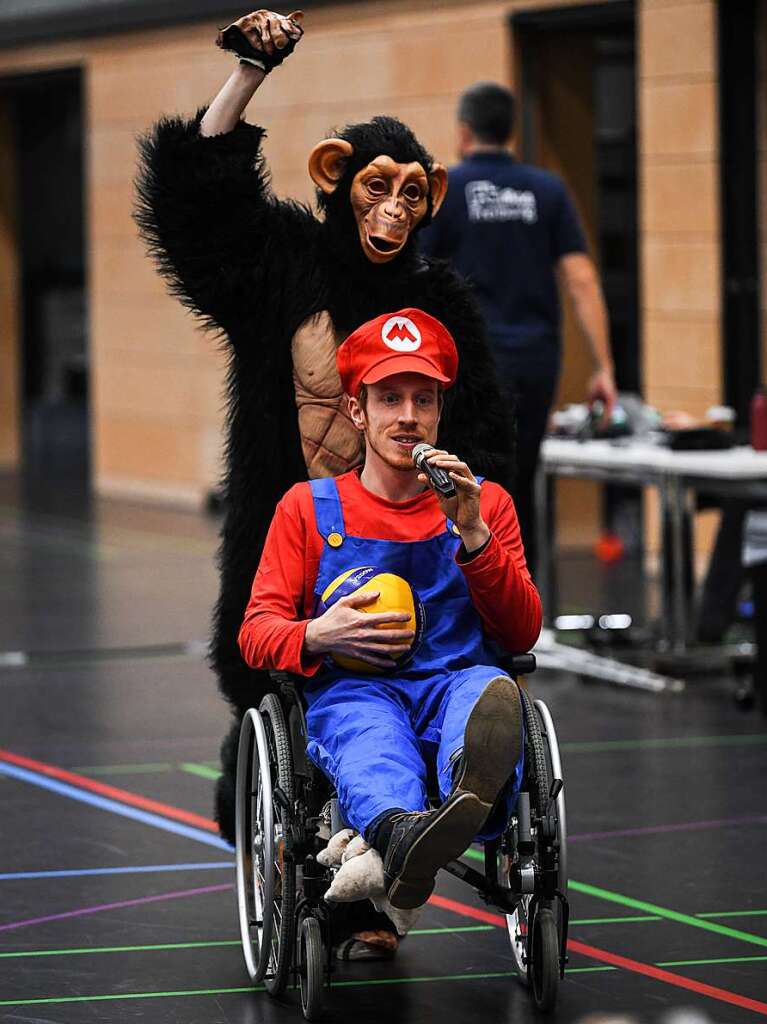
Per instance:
x=230, y=250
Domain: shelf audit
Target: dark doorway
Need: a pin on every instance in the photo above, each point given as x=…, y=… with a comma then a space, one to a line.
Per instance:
x=46, y=111
x=578, y=93
x=739, y=179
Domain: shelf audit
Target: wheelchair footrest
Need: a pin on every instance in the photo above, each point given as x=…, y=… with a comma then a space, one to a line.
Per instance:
x=503, y=899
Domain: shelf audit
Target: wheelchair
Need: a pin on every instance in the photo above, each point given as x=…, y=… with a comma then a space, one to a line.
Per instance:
x=285, y=809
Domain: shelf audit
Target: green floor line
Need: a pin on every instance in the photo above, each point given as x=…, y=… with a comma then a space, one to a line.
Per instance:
x=734, y=913
x=179, y=993
x=123, y=769
x=121, y=949
x=670, y=743
x=257, y=988
x=671, y=915
x=452, y=931
x=615, y=920
x=656, y=913
x=201, y=770
x=77, y=951
x=715, y=960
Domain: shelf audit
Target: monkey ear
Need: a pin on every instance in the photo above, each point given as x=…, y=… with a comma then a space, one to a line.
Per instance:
x=327, y=163
x=438, y=186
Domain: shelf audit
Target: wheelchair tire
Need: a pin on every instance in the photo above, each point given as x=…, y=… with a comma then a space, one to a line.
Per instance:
x=543, y=967
x=542, y=753
x=263, y=761
x=311, y=968
x=284, y=868
x=554, y=769
x=535, y=754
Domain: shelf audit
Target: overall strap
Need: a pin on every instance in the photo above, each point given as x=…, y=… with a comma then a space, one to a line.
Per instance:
x=328, y=511
x=452, y=529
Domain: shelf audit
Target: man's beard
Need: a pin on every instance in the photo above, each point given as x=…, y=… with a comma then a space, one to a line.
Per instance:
x=406, y=466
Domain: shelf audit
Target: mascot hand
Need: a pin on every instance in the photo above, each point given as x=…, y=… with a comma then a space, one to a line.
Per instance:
x=403, y=920
x=262, y=38
x=333, y=853
x=361, y=876
x=358, y=878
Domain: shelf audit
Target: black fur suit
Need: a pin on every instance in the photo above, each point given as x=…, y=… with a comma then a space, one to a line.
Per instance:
x=255, y=268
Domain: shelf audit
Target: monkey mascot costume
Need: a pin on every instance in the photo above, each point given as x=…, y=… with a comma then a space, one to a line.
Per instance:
x=284, y=288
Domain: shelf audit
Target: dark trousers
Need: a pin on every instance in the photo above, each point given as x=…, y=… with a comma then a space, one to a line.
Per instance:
x=531, y=399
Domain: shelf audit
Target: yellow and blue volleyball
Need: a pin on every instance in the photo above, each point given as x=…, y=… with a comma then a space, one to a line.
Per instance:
x=395, y=595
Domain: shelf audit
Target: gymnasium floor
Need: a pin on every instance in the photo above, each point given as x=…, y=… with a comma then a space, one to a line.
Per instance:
x=116, y=895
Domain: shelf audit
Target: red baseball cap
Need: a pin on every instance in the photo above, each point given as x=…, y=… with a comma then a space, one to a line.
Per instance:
x=409, y=341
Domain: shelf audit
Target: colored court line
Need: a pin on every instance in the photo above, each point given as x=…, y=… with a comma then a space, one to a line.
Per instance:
x=200, y=770
x=698, y=987
x=685, y=826
x=75, y=793
x=734, y=913
x=112, y=792
x=603, y=746
x=147, y=768
x=82, y=911
x=616, y=960
x=214, y=865
x=93, y=950
x=671, y=915
x=654, y=912
x=139, y=768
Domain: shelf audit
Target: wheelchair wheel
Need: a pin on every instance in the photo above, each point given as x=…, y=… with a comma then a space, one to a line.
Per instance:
x=311, y=968
x=265, y=877
x=554, y=769
x=544, y=959
x=534, y=922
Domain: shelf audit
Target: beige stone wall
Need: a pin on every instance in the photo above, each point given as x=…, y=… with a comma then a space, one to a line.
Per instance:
x=679, y=203
x=679, y=217
x=156, y=381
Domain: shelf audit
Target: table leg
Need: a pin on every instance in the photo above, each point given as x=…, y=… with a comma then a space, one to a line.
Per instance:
x=678, y=511
x=666, y=603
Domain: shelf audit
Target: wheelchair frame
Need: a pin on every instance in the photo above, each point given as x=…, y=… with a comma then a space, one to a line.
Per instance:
x=285, y=924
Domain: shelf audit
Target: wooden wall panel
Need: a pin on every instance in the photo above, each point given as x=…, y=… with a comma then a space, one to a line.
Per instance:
x=679, y=214
x=402, y=58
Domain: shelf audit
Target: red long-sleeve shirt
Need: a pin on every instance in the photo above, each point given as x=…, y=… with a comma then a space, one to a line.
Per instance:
x=281, y=600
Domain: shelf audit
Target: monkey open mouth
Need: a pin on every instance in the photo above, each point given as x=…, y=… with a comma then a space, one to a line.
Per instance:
x=385, y=245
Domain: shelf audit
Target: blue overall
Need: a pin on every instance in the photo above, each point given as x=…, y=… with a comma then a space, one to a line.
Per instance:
x=374, y=736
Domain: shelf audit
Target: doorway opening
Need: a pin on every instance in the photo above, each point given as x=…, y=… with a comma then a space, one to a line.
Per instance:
x=45, y=111
x=577, y=86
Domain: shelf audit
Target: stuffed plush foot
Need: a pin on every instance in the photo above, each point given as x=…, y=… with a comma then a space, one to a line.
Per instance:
x=361, y=876
x=370, y=945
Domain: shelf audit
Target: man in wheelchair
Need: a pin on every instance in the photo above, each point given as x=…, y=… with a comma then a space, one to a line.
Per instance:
x=376, y=729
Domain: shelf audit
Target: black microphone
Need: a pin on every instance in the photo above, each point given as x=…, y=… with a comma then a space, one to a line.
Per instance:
x=438, y=477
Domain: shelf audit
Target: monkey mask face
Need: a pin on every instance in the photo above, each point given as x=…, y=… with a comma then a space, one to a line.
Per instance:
x=388, y=199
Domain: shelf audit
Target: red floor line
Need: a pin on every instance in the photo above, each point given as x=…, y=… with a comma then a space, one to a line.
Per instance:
x=603, y=955
x=104, y=789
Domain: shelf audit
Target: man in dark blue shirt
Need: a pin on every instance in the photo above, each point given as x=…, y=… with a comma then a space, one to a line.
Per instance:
x=513, y=231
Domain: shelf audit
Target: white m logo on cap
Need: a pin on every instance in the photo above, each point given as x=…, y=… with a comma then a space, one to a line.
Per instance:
x=401, y=334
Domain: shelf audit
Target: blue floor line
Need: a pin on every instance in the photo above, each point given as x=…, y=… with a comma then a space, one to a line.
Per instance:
x=104, y=804
x=214, y=865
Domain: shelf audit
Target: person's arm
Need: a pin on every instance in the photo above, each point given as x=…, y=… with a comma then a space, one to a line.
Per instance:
x=491, y=555
x=275, y=632
x=498, y=578
x=579, y=279
x=273, y=628
x=230, y=250
x=267, y=32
